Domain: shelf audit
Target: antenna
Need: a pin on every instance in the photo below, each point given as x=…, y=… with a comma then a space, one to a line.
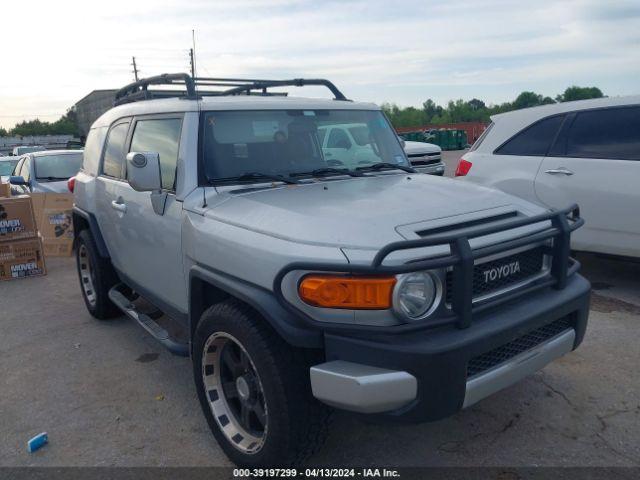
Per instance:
x=135, y=68
x=193, y=53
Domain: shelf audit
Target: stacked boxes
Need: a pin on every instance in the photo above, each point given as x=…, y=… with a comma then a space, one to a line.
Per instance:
x=20, y=247
x=53, y=219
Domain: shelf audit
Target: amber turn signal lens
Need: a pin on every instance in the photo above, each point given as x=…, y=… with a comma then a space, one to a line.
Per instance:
x=331, y=291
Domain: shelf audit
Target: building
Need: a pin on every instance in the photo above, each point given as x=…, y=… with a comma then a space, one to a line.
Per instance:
x=90, y=107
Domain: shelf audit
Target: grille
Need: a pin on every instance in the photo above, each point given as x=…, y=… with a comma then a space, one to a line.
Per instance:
x=501, y=273
x=488, y=360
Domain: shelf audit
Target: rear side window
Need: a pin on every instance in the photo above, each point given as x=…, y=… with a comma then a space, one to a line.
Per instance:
x=609, y=133
x=92, y=149
x=161, y=136
x=534, y=140
x=481, y=138
x=114, y=150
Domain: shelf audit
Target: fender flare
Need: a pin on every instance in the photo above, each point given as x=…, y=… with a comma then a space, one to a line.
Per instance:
x=262, y=300
x=94, y=228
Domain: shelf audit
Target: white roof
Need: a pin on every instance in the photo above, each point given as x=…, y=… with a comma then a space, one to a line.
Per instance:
x=236, y=102
x=509, y=123
x=546, y=110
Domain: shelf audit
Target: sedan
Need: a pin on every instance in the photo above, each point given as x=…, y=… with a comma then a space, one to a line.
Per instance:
x=46, y=171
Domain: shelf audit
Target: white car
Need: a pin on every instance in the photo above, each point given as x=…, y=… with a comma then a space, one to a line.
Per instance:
x=424, y=157
x=587, y=152
x=21, y=150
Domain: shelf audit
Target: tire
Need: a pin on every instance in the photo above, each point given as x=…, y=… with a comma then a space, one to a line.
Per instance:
x=294, y=424
x=96, y=276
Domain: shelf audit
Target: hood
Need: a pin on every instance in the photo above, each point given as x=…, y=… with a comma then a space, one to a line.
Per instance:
x=414, y=148
x=354, y=213
x=52, y=187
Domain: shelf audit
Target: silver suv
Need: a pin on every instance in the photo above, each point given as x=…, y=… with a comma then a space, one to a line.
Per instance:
x=210, y=213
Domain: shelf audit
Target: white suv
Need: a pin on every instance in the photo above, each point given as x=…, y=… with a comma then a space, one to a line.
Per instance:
x=586, y=152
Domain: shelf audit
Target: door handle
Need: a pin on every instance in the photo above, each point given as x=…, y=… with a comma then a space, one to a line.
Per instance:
x=560, y=170
x=121, y=207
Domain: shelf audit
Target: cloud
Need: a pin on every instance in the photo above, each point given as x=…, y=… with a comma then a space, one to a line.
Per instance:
x=375, y=50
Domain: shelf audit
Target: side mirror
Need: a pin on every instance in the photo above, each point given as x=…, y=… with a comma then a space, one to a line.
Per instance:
x=143, y=171
x=18, y=180
x=402, y=142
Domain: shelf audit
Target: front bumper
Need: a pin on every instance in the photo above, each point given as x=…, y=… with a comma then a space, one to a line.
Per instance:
x=431, y=169
x=422, y=376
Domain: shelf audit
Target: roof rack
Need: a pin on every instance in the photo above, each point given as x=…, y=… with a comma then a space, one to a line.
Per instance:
x=198, y=87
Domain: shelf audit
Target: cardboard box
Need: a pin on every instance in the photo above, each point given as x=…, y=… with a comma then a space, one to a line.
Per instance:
x=54, y=221
x=16, y=218
x=21, y=259
x=57, y=248
x=5, y=189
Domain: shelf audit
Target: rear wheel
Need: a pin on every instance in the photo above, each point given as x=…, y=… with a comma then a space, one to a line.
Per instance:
x=254, y=389
x=96, y=277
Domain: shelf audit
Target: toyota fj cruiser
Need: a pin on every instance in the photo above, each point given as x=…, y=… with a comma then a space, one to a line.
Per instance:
x=210, y=213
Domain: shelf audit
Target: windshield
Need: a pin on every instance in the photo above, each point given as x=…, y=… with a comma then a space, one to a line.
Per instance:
x=7, y=166
x=288, y=143
x=58, y=167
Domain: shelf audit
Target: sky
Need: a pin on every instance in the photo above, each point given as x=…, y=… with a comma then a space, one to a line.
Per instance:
x=55, y=52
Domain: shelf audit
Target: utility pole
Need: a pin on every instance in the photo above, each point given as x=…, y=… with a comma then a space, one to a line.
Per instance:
x=135, y=68
x=192, y=63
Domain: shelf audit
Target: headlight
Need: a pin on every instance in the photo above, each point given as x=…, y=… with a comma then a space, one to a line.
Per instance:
x=416, y=295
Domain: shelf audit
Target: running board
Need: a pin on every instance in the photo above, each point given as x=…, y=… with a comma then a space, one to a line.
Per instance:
x=146, y=322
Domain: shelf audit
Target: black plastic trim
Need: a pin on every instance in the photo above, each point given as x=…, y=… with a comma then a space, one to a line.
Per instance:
x=171, y=311
x=438, y=359
x=139, y=90
x=283, y=321
x=94, y=228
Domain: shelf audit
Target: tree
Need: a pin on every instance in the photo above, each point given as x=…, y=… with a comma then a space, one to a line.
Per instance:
x=3, y=132
x=527, y=99
x=476, y=104
x=431, y=110
x=579, y=93
x=65, y=125
x=475, y=110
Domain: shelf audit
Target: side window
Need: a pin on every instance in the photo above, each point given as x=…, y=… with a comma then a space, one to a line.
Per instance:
x=162, y=136
x=609, y=133
x=92, y=149
x=481, y=138
x=113, y=159
x=534, y=140
x=338, y=139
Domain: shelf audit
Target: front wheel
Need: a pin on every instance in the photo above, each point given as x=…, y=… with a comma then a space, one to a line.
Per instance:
x=254, y=389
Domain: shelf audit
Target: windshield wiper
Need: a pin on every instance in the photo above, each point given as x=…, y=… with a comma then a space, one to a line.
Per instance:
x=256, y=176
x=327, y=171
x=52, y=179
x=386, y=166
